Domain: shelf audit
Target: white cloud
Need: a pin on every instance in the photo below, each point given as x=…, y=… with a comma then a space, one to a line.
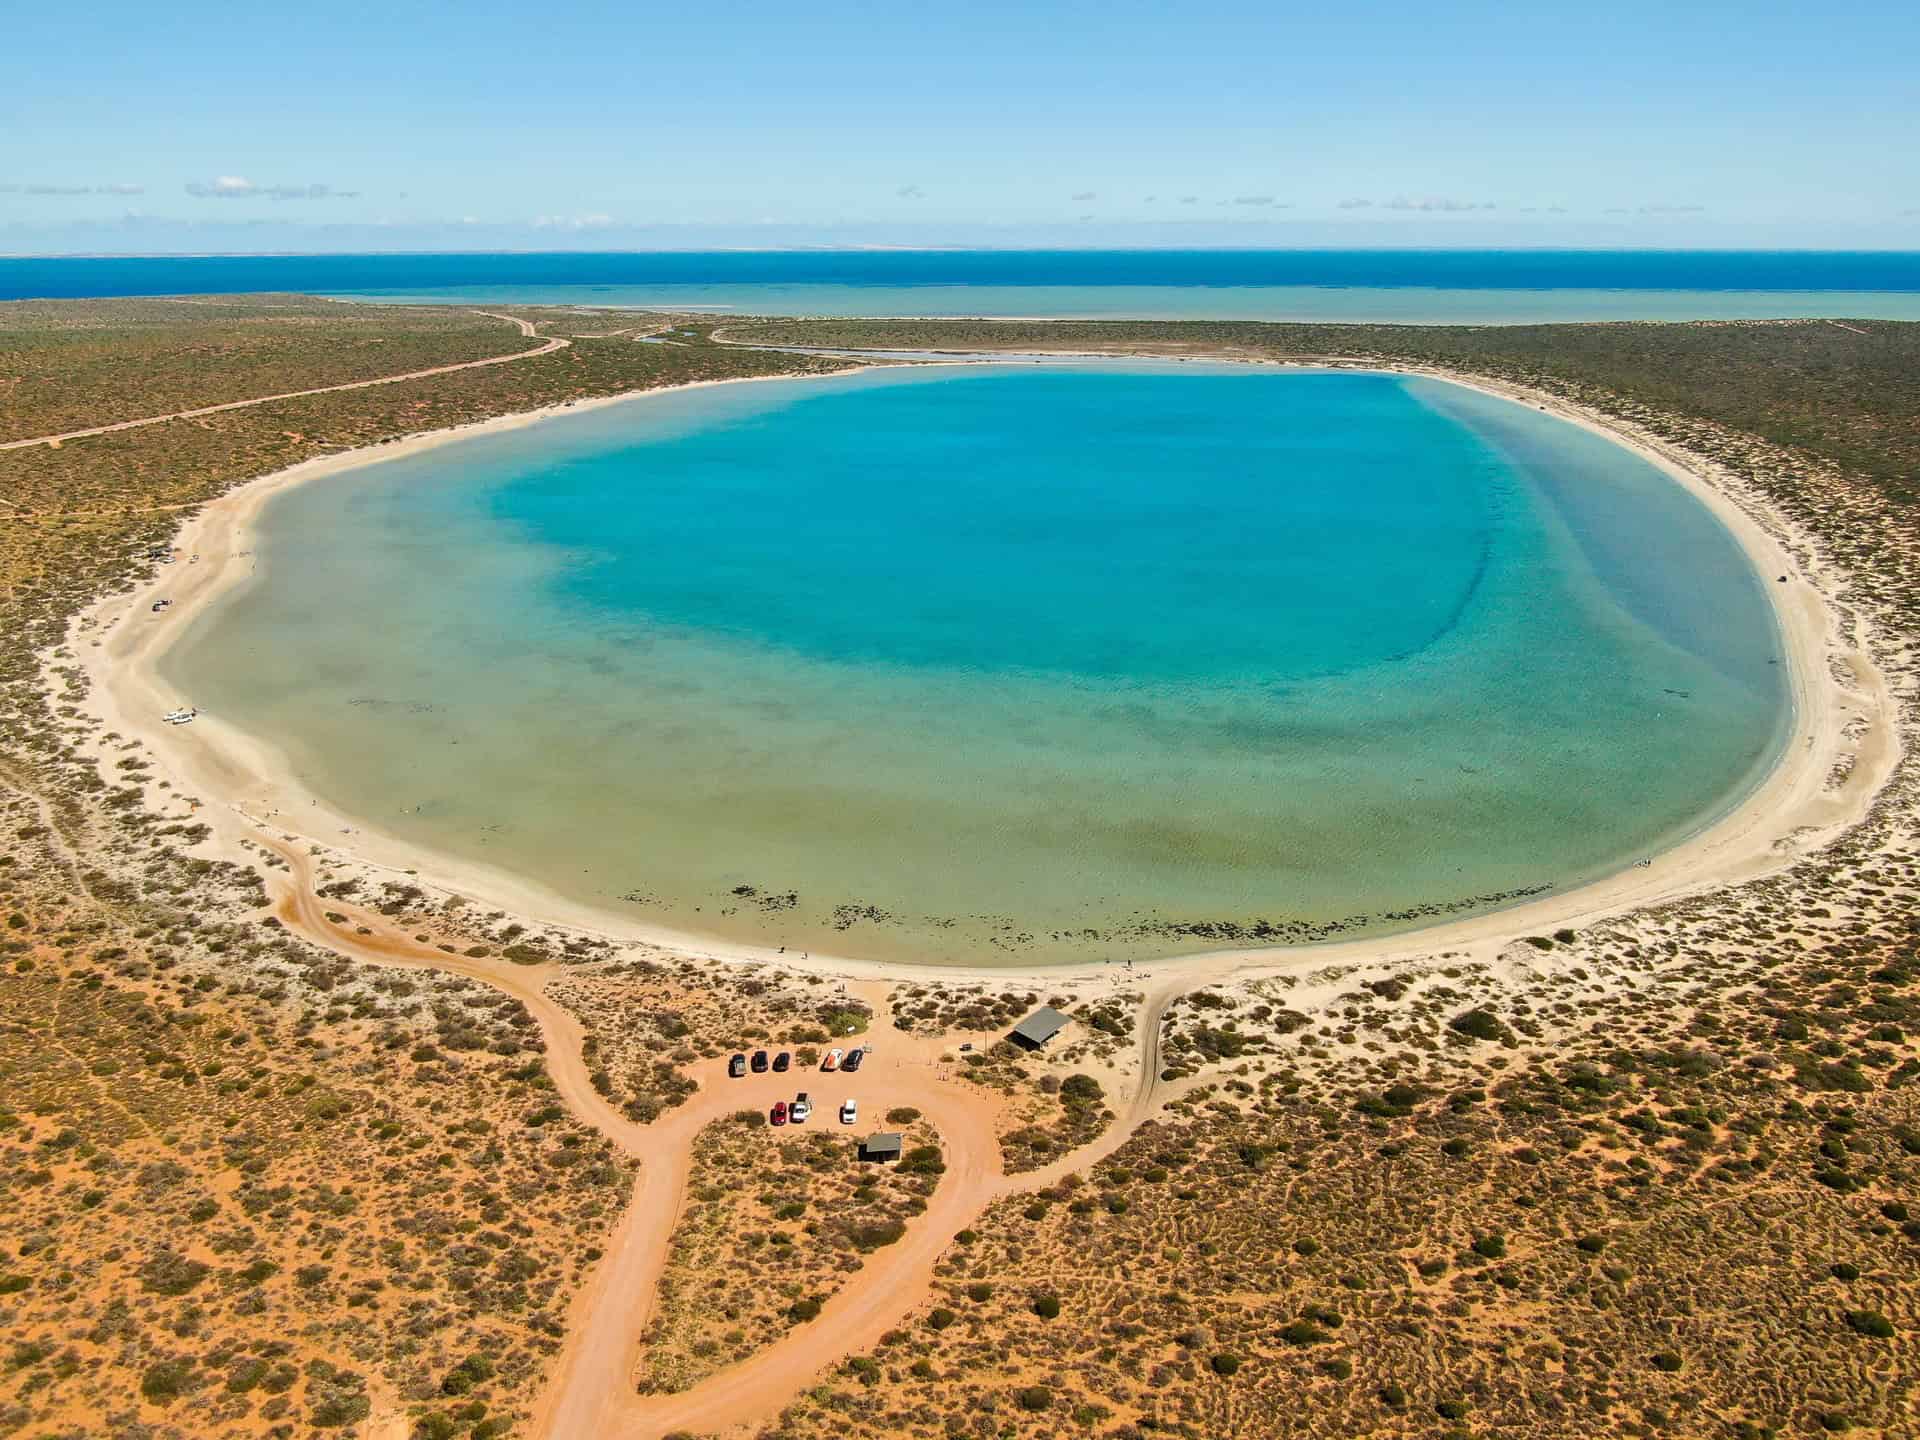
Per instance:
x=1084, y=196
x=910, y=192
x=1258, y=200
x=1356, y=204
x=1672, y=209
x=236, y=187
x=574, y=222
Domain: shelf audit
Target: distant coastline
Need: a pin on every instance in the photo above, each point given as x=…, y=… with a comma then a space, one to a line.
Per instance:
x=1371, y=285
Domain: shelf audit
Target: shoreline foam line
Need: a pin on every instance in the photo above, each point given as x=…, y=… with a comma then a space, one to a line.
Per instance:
x=246, y=784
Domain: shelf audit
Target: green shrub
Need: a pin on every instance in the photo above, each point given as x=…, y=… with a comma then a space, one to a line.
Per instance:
x=941, y=1318
x=246, y=1375
x=923, y=1160
x=168, y=1273
x=166, y=1381
x=468, y=1373
x=1667, y=1362
x=1870, y=1322
x=334, y=1411
x=1478, y=1024
x=1225, y=1364
x=1047, y=1307
x=877, y=1234
x=1034, y=1398
x=980, y=1292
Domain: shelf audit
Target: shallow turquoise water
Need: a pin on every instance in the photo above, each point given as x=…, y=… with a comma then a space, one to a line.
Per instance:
x=1451, y=286
x=1028, y=661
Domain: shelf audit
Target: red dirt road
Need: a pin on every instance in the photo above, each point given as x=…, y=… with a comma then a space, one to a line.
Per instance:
x=591, y=1393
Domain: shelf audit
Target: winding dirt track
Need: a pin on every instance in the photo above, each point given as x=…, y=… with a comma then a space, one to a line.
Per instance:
x=526, y=329
x=591, y=1393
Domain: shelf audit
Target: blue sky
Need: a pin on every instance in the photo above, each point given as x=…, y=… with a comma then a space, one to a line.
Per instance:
x=193, y=126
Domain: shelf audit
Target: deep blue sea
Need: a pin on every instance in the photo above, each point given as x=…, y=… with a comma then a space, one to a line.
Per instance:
x=1404, y=286
x=1015, y=661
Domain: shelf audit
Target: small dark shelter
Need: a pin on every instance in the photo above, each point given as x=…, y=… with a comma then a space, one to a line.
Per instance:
x=1038, y=1028
x=884, y=1146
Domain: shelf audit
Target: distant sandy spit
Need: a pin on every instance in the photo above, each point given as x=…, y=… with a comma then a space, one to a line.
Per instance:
x=1843, y=747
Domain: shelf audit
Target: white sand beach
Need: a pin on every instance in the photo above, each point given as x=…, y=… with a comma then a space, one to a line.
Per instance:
x=1842, y=726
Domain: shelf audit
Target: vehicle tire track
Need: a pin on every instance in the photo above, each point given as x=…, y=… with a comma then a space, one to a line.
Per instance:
x=526, y=329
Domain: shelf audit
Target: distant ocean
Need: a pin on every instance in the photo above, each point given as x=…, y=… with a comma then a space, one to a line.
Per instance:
x=1404, y=286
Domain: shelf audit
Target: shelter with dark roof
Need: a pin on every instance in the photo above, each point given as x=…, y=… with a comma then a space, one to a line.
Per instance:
x=1039, y=1027
x=883, y=1146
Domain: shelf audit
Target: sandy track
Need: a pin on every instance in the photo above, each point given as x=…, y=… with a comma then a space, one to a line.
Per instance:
x=526, y=329
x=592, y=1390
x=891, y=1285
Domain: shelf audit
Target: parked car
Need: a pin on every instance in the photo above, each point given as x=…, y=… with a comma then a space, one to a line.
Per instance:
x=849, y=1113
x=779, y=1115
x=781, y=1062
x=759, y=1062
x=800, y=1109
x=832, y=1062
x=854, y=1057
x=737, y=1066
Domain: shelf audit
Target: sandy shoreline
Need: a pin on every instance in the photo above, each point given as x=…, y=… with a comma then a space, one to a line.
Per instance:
x=245, y=793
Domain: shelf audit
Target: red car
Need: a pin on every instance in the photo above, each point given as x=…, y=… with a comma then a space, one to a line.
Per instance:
x=779, y=1115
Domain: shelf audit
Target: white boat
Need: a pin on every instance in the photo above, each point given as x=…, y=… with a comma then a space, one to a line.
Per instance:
x=181, y=717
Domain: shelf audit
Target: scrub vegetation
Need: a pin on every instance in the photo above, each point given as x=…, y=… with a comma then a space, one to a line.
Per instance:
x=1656, y=1177
x=251, y=1188
x=774, y=1223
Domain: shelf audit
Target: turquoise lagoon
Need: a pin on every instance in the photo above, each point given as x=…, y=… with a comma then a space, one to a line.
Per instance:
x=970, y=663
